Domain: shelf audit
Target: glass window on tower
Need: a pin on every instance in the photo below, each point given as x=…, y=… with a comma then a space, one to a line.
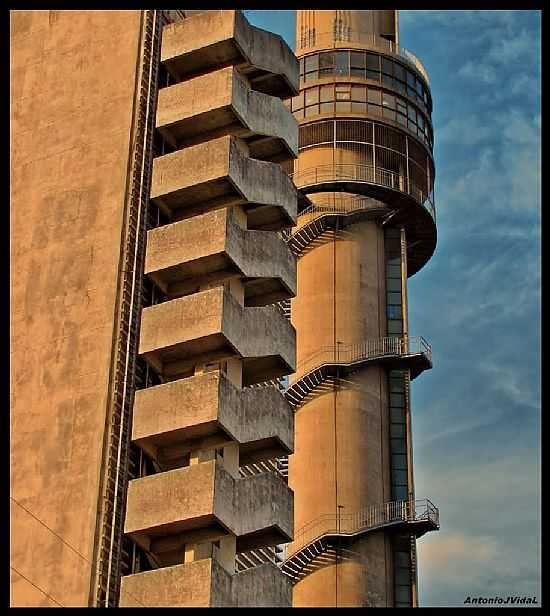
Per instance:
x=342, y=63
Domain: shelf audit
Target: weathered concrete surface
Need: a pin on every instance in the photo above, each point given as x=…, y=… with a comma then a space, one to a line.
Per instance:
x=71, y=115
x=219, y=173
x=178, y=334
x=204, y=583
x=222, y=103
x=265, y=503
x=181, y=256
x=263, y=586
x=214, y=38
x=183, y=411
x=206, y=495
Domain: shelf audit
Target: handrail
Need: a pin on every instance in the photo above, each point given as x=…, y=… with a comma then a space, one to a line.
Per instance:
x=372, y=40
x=369, y=517
x=364, y=173
x=348, y=353
x=319, y=210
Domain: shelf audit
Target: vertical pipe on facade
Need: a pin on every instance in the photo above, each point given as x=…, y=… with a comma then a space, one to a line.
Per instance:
x=132, y=293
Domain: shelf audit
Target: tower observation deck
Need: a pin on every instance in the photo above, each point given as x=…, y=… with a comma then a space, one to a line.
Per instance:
x=366, y=223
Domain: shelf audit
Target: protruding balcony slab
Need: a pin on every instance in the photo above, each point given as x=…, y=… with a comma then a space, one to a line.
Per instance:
x=211, y=325
x=180, y=415
x=219, y=174
x=222, y=103
x=204, y=583
x=212, y=39
x=213, y=247
x=258, y=509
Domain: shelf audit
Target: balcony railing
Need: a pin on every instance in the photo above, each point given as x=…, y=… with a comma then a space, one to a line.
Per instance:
x=349, y=353
x=364, y=173
x=328, y=39
x=370, y=517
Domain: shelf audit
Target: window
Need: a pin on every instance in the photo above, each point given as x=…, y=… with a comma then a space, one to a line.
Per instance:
x=412, y=113
x=375, y=75
x=374, y=96
x=387, y=80
x=373, y=62
x=387, y=66
x=400, y=86
x=374, y=110
x=327, y=107
x=397, y=415
x=388, y=100
x=401, y=119
x=313, y=110
x=397, y=400
x=343, y=107
x=343, y=93
x=342, y=63
x=401, y=106
x=357, y=59
x=399, y=71
x=389, y=113
x=358, y=62
x=359, y=93
x=393, y=284
x=298, y=101
x=393, y=271
x=359, y=107
x=411, y=79
x=299, y=114
x=312, y=63
x=394, y=312
x=326, y=64
x=327, y=93
x=312, y=96
x=394, y=298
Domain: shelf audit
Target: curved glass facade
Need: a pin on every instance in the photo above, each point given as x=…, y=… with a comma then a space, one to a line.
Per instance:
x=358, y=98
x=366, y=65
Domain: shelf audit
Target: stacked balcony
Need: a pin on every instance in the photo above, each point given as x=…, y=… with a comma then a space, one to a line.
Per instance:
x=221, y=264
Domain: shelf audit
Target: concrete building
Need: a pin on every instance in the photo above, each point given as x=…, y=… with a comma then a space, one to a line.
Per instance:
x=147, y=260
x=366, y=165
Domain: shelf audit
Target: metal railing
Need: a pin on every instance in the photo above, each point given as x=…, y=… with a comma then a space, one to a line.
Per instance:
x=369, y=39
x=364, y=173
x=378, y=347
x=369, y=517
x=348, y=206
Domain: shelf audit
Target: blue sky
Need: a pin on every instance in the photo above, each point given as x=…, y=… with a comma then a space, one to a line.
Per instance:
x=476, y=415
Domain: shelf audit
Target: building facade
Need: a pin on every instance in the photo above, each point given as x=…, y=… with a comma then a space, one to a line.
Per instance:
x=366, y=223
x=148, y=203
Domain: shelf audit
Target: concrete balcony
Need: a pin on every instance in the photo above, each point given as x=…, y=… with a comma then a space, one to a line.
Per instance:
x=172, y=419
x=258, y=510
x=222, y=103
x=213, y=247
x=211, y=325
x=219, y=174
x=204, y=583
x=212, y=39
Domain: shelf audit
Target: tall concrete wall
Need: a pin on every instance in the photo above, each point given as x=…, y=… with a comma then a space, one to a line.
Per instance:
x=73, y=77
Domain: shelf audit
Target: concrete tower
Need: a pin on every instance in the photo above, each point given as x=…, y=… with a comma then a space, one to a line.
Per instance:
x=366, y=223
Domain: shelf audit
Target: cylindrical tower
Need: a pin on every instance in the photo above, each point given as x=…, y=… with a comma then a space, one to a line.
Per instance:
x=367, y=222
